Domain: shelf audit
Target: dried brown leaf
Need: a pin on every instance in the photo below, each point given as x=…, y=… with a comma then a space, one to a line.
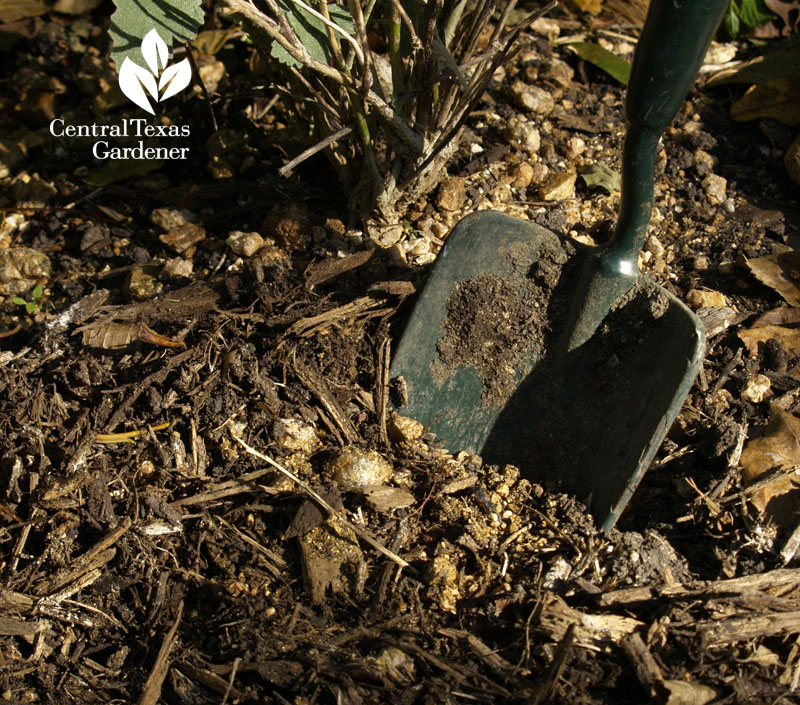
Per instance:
x=785, y=315
x=780, y=272
x=385, y=498
x=109, y=336
x=13, y=32
x=788, y=337
x=13, y=10
x=778, y=99
x=75, y=7
x=777, y=448
x=211, y=41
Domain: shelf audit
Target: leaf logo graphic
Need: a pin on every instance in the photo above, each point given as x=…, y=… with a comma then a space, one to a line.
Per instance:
x=135, y=80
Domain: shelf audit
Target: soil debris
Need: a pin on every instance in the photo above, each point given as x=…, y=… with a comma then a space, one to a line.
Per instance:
x=493, y=321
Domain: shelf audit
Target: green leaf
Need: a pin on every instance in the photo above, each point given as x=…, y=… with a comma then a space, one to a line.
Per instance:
x=31, y=306
x=19, y=301
x=311, y=32
x=754, y=13
x=730, y=22
x=37, y=293
x=601, y=176
x=453, y=19
x=176, y=21
x=612, y=64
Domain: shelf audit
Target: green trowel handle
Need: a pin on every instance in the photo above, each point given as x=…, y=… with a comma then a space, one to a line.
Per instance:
x=671, y=48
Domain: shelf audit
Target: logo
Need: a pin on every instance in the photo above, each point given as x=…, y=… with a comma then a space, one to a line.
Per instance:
x=134, y=79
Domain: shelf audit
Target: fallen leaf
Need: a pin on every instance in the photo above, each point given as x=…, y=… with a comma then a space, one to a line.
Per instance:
x=780, y=272
x=75, y=7
x=778, y=99
x=212, y=40
x=385, y=498
x=778, y=448
x=14, y=32
x=777, y=317
x=787, y=11
x=789, y=338
x=763, y=657
x=609, y=62
x=600, y=175
x=13, y=10
x=109, y=336
x=781, y=64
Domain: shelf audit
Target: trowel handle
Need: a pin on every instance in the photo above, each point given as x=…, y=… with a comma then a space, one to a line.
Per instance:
x=668, y=55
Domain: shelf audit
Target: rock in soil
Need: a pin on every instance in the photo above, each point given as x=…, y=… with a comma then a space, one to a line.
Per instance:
x=20, y=269
x=245, y=244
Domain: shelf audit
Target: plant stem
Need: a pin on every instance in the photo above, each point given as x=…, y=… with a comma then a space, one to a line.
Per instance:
x=332, y=40
x=358, y=20
x=395, y=57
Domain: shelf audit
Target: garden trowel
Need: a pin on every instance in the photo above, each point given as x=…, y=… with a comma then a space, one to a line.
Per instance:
x=526, y=348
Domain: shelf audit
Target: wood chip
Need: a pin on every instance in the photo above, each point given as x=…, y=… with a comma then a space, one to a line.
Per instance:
x=98, y=555
x=311, y=325
x=152, y=688
x=328, y=269
x=714, y=633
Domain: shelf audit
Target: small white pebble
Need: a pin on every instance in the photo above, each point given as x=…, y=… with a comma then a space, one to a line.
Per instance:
x=295, y=435
x=654, y=246
x=245, y=244
x=756, y=389
x=716, y=189
x=355, y=469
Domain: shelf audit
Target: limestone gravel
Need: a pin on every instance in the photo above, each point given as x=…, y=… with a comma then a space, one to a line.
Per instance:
x=183, y=238
x=245, y=244
x=20, y=268
x=558, y=187
x=356, y=469
x=169, y=218
x=532, y=98
x=715, y=188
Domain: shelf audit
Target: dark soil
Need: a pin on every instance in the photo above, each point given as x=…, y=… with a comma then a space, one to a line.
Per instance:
x=147, y=555
x=494, y=323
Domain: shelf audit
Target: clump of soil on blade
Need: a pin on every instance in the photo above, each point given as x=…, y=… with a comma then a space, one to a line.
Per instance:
x=494, y=321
